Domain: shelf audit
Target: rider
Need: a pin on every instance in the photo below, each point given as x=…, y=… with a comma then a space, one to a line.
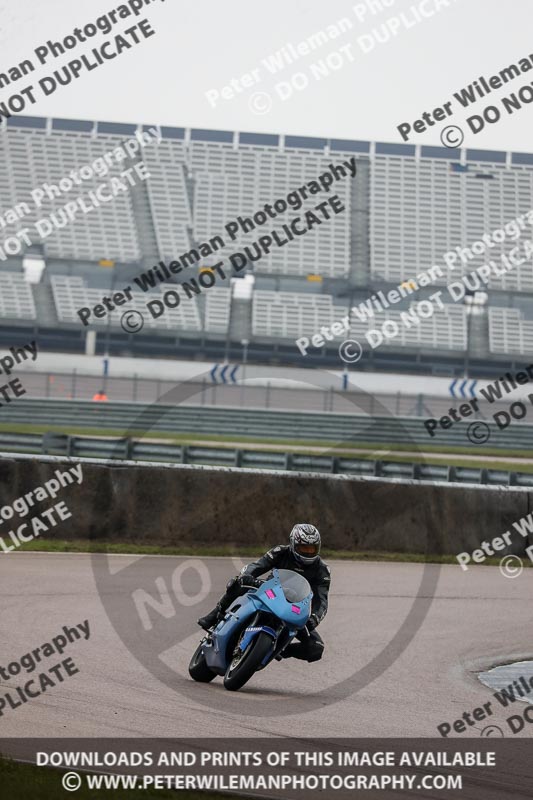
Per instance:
x=302, y=556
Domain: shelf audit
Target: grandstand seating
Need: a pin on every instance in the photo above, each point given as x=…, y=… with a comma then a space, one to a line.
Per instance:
x=70, y=294
x=227, y=182
x=217, y=310
x=232, y=183
x=288, y=315
x=291, y=315
x=407, y=207
x=16, y=298
x=517, y=279
x=169, y=199
x=422, y=209
x=509, y=332
x=30, y=158
x=446, y=329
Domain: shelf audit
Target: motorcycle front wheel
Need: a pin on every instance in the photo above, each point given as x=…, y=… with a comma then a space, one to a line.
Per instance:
x=198, y=669
x=243, y=665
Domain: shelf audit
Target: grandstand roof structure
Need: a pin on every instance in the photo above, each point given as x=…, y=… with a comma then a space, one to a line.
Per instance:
x=279, y=141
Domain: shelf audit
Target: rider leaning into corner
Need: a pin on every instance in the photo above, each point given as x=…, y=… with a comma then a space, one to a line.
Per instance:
x=302, y=555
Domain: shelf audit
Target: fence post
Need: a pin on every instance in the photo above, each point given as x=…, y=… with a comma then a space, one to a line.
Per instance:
x=267, y=395
x=48, y=385
x=134, y=388
x=73, y=384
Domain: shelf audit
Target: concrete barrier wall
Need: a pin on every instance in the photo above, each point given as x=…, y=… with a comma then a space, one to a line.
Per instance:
x=174, y=505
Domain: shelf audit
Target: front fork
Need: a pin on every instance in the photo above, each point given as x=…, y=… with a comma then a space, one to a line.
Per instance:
x=263, y=621
x=284, y=634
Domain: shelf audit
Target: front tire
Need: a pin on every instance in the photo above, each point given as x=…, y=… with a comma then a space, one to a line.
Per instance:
x=243, y=666
x=198, y=669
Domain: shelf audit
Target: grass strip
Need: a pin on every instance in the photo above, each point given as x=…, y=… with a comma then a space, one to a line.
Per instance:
x=136, y=548
x=421, y=453
x=26, y=781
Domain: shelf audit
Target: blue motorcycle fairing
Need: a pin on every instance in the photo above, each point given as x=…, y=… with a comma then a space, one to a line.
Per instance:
x=292, y=615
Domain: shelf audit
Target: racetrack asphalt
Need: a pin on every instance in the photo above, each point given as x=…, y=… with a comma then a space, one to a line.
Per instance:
x=477, y=619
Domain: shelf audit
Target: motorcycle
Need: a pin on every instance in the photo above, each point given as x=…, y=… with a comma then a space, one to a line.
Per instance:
x=255, y=629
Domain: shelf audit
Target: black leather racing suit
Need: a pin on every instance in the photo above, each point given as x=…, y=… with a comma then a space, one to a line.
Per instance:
x=309, y=647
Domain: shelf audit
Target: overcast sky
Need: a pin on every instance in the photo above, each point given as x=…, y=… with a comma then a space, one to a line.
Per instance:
x=201, y=45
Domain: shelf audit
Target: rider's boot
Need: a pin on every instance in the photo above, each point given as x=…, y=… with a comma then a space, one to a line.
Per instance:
x=211, y=619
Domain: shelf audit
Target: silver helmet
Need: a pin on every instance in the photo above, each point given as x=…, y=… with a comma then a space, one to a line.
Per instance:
x=304, y=541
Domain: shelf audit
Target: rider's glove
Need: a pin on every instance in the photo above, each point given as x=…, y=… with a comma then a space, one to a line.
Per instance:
x=248, y=581
x=312, y=622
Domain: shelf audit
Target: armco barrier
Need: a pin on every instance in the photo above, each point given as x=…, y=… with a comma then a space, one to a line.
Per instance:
x=290, y=425
x=105, y=448
x=185, y=505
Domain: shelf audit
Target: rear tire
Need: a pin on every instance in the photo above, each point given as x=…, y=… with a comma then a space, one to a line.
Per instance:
x=243, y=666
x=198, y=669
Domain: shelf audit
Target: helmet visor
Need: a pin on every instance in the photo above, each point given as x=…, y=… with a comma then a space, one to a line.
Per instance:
x=307, y=550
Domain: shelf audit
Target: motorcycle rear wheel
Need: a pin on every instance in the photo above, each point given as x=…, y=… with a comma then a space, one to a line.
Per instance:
x=198, y=669
x=243, y=666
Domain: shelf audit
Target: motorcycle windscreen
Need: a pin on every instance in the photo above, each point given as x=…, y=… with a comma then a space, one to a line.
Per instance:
x=295, y=587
